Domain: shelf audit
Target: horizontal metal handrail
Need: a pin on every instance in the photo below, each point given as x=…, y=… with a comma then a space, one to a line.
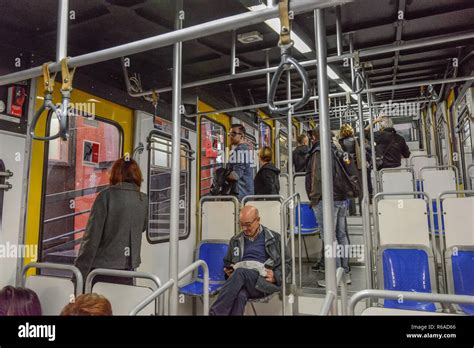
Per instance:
x=119, y=273
x=256, y=197
x=408, y=296
x=152, y=297
x=64, y=235
x=7, y=174
x=57, y=218
x=75, y=193
x=56, y=266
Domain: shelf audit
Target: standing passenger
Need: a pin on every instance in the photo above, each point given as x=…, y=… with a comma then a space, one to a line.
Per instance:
x=240, y=160
x=314, y=190
x=118, y=217
x=300, y=154
x=267, y=180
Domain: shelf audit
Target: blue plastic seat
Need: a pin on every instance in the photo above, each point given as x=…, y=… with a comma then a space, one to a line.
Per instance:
x=212, y=252
x=407, y=270
x=463, y=276
x=309, y=225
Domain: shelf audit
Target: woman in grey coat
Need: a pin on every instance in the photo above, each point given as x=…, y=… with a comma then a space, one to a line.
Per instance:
x=113, y=235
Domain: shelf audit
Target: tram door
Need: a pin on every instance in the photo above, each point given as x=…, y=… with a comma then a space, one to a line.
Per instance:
x=67, y=175
x=14, y=105
x=465, y=129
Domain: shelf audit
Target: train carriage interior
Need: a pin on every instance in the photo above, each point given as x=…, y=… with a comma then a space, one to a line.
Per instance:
x=84, y=83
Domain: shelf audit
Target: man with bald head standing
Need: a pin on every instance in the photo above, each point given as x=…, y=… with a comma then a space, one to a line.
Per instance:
x=252, y=265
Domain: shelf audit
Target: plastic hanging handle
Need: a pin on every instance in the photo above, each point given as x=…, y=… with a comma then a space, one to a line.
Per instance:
x=285, y=64
x=61, y=113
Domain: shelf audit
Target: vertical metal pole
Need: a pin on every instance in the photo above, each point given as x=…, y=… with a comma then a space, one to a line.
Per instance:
x=277, y=145
x=175, y=164
x=365, y=197
x=232, y=54
x=326, y=153
x=267, y=65
x=351, y=50
x=63, y=18
x=339, y=31
x=291, y=180
x=372, y=143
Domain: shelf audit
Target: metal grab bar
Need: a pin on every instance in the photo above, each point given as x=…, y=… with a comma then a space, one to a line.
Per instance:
x=443, y=166
x=191, y=268
x=379, y=174
x=330, y=296
x=150, y=298
x=122, y=273
x=73, y=269
x=285, y=64
x=7, y=174
x=6, y=186
x=408, y=296
x=160, y=291
x=283, y=247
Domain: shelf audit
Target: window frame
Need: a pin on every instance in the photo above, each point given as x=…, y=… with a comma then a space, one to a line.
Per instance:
x=200, y=145
x=188, y=224
x=72, y=163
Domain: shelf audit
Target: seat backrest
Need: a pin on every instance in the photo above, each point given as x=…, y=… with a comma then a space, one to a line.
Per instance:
x=124, y=298
x=300, y=187
x=269, y=212
x=401, y=181
x=436, y=181
x=458, y=215
x=213, y=252
x=419, y=162
x=403, y=222
x=308, y=219
x=53, y=292
x=218, y=220
x=407, y=270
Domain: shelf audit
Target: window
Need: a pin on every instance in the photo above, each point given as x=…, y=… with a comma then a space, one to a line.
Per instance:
x=72, y=184
x=265, y=134
x=159, y=188
x=213, y=143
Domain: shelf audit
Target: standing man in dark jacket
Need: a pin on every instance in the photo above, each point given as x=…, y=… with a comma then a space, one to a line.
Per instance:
x=267, y=180
x=240, y=161
x=314, y=190
x=300, y=154
x=389, y=146
x=258, y=246
x=118, y=217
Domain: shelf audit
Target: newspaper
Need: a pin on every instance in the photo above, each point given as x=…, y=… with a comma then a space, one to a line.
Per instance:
x=258, y=266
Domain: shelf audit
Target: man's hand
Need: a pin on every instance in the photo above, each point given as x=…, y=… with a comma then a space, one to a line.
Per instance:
x=270, y=276
x=229, y=270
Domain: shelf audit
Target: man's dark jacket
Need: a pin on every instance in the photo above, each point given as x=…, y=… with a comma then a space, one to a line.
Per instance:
x=391, y=146
x=235, y=254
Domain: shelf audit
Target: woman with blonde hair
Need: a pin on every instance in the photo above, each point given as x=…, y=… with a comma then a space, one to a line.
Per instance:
x=267, y=180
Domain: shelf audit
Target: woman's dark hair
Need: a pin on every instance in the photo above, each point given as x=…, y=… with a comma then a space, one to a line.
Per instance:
x=126, y=170
x=19, y=301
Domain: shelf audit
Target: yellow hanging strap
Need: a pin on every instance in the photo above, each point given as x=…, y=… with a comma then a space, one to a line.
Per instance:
x=285, y=26
x=67, y=75
x=47, y=79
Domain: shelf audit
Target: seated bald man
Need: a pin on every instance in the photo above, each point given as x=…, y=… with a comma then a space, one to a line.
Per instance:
x=252, y=265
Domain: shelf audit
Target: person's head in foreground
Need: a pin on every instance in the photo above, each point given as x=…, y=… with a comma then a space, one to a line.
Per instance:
x=88, y=305
x=19, y=301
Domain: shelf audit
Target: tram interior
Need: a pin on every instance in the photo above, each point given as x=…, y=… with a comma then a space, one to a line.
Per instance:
x=409, y=60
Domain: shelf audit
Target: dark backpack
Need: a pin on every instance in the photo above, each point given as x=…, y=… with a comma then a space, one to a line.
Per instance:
x=345, y=176
x=220, y=185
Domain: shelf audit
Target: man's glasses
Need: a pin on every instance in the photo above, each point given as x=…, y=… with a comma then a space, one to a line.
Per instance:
x=247, y=224
x=233, y=134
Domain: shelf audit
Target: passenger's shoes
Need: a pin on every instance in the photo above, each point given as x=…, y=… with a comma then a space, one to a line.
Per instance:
x=322, y=283
x=319, y=267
